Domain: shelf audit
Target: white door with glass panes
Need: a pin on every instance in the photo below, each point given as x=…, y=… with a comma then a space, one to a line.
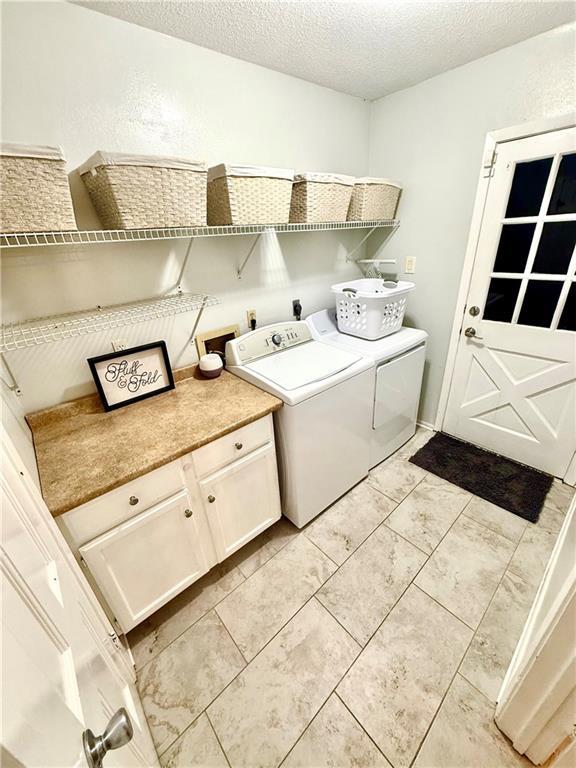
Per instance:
x=513, y=388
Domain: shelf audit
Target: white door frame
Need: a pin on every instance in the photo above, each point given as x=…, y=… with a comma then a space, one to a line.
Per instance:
x=493, y=139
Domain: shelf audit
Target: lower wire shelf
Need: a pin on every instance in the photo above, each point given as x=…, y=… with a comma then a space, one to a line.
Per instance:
x=45, y=330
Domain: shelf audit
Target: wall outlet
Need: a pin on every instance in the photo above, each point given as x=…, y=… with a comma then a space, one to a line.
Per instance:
x=251, y=318
x=410, y=266
x=119, y=344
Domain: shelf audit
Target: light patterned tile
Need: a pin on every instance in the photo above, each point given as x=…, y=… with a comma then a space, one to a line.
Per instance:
x=428, y=512
x=496, y=518
x=532, y=554
x=559, y=496
x=343, y=527
x=397, y=683
x=263, y=547
x=177, y=685
x=261, y=715
x=364, y=589
x=551, y=519
x=333, y=739
x=465, y=569
x=396, y=478
x=197, y=748
x=415, y=443
x=261, y=606
x=159, y=630
x=491, y=650
x=464, y=734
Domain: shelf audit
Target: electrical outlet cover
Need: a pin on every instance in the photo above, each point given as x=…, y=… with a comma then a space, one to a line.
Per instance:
x=410, y=266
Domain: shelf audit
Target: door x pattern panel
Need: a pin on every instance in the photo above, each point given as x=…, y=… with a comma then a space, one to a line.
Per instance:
x=533, y=397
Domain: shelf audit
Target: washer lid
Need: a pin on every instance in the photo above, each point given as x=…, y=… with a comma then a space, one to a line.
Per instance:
x=324, y=326
x=302, y=365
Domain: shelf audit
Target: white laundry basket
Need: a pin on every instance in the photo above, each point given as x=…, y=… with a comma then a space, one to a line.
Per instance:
x=371, y=308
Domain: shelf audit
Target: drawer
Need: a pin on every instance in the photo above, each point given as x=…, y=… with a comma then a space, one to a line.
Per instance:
x=100, y=515
x=221, y=452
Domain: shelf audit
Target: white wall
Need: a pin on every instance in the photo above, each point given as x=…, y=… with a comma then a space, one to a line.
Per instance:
x=77, y=78
x=86, y=81
x=430, y=137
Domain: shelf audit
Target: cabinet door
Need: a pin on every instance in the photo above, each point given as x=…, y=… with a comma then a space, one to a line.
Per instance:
x=242, y=500
x=145, y=562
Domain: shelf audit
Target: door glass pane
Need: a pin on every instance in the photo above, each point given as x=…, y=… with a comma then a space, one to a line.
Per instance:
x=539, y=303
x=563, y=198
x=568, y=317
x=528, y=187
x=555, y=248
x=515, y=240
x=501, y=299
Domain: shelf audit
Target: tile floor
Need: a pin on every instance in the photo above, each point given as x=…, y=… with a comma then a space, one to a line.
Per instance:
x=377, y=636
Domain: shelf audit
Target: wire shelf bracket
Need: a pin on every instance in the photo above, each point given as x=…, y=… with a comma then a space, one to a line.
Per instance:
x=11, y=385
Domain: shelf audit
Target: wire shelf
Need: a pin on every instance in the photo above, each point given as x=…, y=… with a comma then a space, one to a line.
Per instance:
x=45, y=330
x=95, y=236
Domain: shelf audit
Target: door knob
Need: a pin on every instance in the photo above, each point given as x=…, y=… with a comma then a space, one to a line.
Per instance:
x=211, y=499
x=238, y=446
x=133, y=500
x=471, y=333
x=118, y=733
x=188, y=513
x=474, y=311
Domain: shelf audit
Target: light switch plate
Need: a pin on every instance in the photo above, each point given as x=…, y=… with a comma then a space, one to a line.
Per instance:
x=410, y=266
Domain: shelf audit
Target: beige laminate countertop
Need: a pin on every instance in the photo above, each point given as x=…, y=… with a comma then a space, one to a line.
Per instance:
x=83, y=452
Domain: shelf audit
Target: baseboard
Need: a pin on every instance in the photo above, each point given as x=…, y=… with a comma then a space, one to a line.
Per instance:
x=425, y=425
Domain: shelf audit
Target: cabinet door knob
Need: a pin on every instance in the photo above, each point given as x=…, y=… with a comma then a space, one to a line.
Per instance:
x=211, y=499
x=133, y=500
x=238, y=446
x=188, y=513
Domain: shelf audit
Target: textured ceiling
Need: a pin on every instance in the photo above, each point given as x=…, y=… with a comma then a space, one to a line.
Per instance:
x=367, y=49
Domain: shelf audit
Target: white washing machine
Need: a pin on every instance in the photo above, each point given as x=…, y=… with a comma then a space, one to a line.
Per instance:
x=398, y=362
x=322, y=431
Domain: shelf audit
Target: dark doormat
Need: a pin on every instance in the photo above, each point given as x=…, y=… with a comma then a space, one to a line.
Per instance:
x=504, y=482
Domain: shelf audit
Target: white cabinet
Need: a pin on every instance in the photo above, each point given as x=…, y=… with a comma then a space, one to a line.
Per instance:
x=144, y=562
x=241, y=500
x=206, y=506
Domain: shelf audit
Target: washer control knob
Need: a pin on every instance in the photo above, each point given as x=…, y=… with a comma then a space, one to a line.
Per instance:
x=277, y=339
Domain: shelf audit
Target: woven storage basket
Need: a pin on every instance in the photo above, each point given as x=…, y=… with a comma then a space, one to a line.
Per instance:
x=373, y=199
x=320, y=197
x=246, y=194
x=140, y=192
x=34, y=190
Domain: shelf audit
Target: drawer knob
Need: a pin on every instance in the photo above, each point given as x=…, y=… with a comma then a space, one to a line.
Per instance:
x=133, y=500
x=238, y=446
x=188, y=513
x=211, y=499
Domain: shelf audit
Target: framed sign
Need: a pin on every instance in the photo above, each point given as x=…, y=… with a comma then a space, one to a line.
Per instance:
x=131, y=375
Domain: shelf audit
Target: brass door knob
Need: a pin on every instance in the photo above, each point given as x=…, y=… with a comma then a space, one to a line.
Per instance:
x=211, y=499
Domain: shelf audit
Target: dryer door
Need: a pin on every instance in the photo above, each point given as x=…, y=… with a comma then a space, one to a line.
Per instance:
x=398, y=383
